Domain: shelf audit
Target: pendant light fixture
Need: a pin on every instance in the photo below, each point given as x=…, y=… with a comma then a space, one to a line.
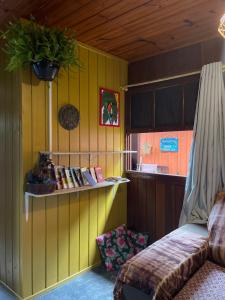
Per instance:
x=221, y=27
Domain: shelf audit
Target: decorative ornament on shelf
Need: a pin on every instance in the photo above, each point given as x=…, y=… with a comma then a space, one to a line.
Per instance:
x=45, y=49
x=146, y=148
x=40, y=180
x=69, y=117
x=221, y=27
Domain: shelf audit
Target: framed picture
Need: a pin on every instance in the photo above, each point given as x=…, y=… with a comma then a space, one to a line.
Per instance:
x=109, y=108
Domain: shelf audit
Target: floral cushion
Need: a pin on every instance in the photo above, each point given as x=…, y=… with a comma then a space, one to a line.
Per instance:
x=119, y=245
x=137, y=240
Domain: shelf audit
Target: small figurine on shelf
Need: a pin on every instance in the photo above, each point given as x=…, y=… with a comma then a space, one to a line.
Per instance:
x=41, y=179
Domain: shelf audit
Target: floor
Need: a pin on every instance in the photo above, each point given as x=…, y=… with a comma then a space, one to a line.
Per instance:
x=95, y=284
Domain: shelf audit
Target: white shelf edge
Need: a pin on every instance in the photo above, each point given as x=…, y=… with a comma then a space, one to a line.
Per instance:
x=88, y=153
x=69, y=191
x=80, y=189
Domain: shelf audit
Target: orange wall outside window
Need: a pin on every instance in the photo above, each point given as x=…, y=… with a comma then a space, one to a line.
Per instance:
x=177, y=162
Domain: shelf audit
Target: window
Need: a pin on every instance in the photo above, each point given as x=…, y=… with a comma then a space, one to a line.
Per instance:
x=164, y=106
x=162, y=152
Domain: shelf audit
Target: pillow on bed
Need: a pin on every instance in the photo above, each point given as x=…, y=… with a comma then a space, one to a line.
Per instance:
x=119, y=245
x=137, y=240
x=216, y=228
x=114, y=248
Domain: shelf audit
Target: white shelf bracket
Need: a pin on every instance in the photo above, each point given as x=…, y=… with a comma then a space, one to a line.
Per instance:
x=50, y=117
x=26, y=206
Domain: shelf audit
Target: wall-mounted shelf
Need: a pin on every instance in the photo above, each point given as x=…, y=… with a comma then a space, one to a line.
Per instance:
x=69, y=191
x=88, y=152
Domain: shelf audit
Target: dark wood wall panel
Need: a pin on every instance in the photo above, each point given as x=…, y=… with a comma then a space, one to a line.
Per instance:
x=154, y=203
x=180, y=61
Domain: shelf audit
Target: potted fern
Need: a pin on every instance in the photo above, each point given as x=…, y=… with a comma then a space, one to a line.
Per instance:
x=45, y=49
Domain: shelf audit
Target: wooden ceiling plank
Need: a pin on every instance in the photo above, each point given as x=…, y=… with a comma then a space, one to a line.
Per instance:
x=144, y=52
x=152, y=27
x=65, y=16
x=129, y=28
x=142, y=35
x=129, y=19
x=107, y=15
x=182, y=35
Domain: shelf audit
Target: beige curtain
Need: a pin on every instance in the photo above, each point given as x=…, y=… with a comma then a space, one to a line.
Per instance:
x=206, y=172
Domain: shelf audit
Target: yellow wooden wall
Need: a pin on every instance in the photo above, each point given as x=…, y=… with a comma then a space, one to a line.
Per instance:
x=10, y=188
x=58, y=240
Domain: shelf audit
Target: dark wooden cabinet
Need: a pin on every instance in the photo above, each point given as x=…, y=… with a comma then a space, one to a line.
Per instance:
x=164, y=106
x=154, y=203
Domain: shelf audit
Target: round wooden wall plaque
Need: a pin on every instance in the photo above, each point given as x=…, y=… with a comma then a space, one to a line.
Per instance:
x=69, y=117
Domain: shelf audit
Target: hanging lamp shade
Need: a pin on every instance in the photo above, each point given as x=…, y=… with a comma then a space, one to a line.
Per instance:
x=221, y=27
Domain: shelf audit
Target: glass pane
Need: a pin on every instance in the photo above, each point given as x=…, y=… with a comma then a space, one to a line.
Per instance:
x=164, y=152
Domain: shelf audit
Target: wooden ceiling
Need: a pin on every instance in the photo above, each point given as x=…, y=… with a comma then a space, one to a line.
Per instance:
x=130, y=29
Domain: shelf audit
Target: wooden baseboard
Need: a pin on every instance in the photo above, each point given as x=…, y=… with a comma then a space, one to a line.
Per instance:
x=12, y=291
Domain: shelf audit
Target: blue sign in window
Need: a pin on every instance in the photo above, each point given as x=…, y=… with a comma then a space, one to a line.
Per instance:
x=169, y=145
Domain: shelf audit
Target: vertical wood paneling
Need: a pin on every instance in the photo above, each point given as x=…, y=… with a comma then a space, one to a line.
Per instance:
x=84, y=159
x=93, y=135
x=74, y=98
x=123, y=79
x=10, y=163
x=110, y=192
x=59, y=239
x=63, y=200
x=52, y=203
x=3, y=178
x=16, y=178
x=101, y=146
x=116, y=146
x=9, y=187
x=26, y=238
x=38, y=142
x=154, y=203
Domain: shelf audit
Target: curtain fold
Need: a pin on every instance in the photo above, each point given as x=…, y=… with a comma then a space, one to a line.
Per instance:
x=206, y=171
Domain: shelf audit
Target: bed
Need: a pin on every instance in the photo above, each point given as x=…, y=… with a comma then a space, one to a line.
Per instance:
x=153, y=273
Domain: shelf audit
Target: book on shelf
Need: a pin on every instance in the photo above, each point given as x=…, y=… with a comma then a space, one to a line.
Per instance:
x=63, y=177
x=75, y=182
x=83, y=170
x=89, y=178
x=115, y=179
x=69, y=178
x=92, y=171
x=58, y=178
x=78, y=176
x=99, y=174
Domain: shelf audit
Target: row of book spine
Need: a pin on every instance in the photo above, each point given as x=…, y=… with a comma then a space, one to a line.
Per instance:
x=74, y=177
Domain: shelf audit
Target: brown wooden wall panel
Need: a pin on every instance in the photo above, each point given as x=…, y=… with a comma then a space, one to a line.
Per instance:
x=184, y=60
x=154, y=203
x=169, y=201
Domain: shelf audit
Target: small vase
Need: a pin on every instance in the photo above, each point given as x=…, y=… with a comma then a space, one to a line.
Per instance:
x=45, y=70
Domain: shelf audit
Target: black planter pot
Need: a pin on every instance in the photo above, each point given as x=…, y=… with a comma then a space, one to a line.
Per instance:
x=45, y=70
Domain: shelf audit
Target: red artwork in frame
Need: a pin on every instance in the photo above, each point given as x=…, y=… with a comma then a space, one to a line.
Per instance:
x=109, y=108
